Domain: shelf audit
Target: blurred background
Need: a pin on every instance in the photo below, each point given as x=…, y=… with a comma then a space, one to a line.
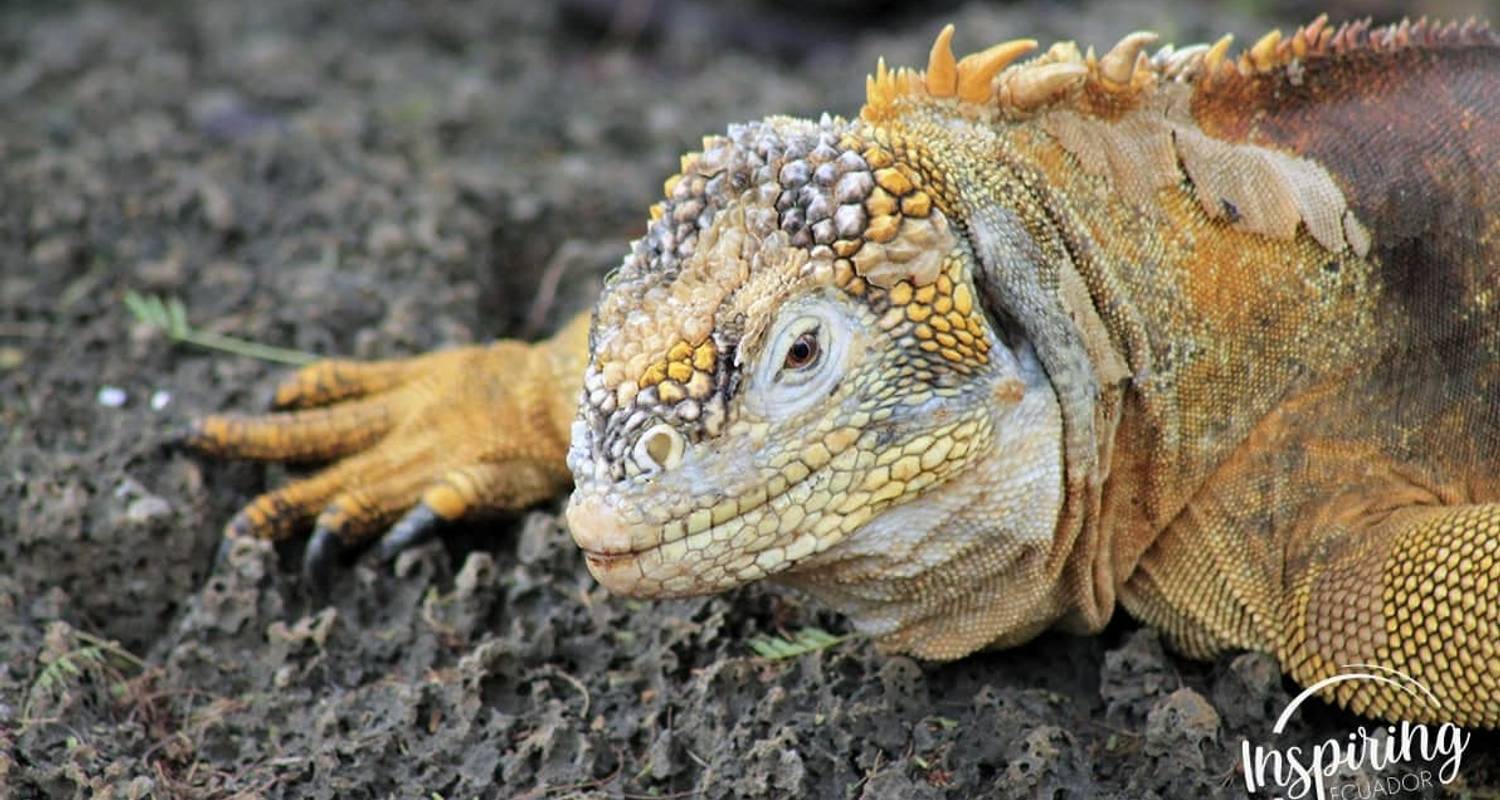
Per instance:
x=499, y=136
x=376, y=179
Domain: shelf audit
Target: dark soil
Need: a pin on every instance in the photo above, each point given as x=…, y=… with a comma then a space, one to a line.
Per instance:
x=381, y=178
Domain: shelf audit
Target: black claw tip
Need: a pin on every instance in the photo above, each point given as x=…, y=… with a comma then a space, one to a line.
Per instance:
x=181, y=436
x=221, y=556
x=323, y=551
x=272, y=401
x=238, y=526
x=418, y=526
x=173, y=438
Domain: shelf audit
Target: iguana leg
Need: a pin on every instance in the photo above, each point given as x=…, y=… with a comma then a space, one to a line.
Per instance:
x=456, y=434
x=1414, y=589
x=1418, y=592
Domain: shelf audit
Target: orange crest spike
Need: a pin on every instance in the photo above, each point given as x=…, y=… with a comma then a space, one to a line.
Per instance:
x=942, y=69
x=978, y=70
x=1215, y=56
x=1263, y=53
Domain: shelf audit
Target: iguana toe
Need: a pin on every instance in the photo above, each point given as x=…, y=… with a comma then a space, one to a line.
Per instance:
x=309, y=435
x=333, y=380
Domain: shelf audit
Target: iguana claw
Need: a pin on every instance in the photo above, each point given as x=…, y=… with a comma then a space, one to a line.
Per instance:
x=322, y=554
x=418, y=526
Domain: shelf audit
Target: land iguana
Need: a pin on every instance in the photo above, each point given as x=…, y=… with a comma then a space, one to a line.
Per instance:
x=1215, y=338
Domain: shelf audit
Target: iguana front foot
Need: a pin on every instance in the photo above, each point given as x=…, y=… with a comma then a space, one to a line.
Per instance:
x=416, y=442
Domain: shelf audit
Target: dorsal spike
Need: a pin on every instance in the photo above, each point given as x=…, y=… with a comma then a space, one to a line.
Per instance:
x=977, y=70
x=1118, y=65
x=1029, y=88
x=1263, y=52
x=942, y=69
x=1315, y=28
x=1401, y=36
x=1298, y=42
x=1064, y=51
x=1215, y=56
x=1128, y=70
x=1183, y=61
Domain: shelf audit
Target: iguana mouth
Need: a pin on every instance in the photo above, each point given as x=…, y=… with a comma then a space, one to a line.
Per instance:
x=779, y=515
x=677, y=556
x=601, y=529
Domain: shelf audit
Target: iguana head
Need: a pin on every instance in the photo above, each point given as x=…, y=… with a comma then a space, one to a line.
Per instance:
x=792, y=375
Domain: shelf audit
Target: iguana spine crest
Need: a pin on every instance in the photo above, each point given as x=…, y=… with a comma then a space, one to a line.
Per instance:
x=991, y=81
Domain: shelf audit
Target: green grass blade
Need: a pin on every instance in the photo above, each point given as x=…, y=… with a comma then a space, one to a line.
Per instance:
x=807, y=640
x=171, y=317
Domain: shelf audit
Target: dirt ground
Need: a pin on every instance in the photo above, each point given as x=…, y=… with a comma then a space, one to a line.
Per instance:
x=381, y=178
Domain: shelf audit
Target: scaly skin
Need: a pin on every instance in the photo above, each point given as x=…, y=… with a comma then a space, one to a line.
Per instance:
x=1215, y=339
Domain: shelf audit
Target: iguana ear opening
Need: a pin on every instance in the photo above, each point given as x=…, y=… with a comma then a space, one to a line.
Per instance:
x=1007, y=329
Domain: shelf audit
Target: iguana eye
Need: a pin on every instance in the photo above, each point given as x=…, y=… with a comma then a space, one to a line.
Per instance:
x=805, y=357
x=804, y=351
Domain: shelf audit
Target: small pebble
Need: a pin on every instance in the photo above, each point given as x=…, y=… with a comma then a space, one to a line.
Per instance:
x=112, y=396
x=385, y=239
x=159, y=399
x=130, y=487
x=218, y=206
x=148, y=508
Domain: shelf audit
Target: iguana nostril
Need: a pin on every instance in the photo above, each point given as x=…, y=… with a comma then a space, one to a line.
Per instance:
x=662, y=445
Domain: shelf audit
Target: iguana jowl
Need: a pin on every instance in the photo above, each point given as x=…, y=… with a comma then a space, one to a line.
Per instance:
x=1216, y=339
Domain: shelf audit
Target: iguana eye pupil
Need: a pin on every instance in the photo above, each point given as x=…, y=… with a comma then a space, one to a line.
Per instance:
x=803, y=352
